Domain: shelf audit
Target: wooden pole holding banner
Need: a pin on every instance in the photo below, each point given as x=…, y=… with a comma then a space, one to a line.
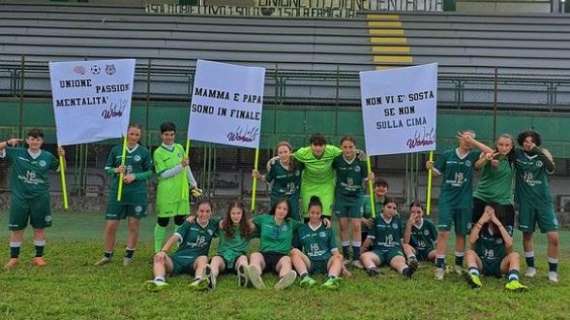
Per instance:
x=254, y=186
x=122, y=175
x=428, y=197
x=63, y=182
x=371, y=189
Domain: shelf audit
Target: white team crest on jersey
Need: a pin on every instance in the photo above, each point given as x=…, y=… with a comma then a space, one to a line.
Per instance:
x=138, y=209
x=42, y=163
x=468, y=163
x=322, y=234
x=210, y=232
x=499, y=241
x=137, y=158
x=357, y=169
x=426, y=232
x=47, y=219
x=394, y=226
x=539, y=164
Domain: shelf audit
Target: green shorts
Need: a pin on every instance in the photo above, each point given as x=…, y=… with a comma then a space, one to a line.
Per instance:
x=37, y=210
x=529, y=216
x=120, y=211
x=319, y=266
x=459, y=217
x=348, y=207
x=182, y=263
x=167, y=210
x=386, y=255
x=492, y=267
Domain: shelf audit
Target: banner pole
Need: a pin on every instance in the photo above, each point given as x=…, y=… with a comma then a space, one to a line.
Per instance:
x=254, y=187
x=371, y=189
x=63, y=182
x=428, y=198
x=122, y=175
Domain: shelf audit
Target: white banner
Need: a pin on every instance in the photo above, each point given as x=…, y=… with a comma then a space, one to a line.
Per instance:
x=226, y=104
x=91, y=99
x=399, y=109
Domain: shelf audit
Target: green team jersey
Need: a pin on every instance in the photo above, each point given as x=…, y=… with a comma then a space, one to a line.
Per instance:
x=317, y=170
x=170, y=190
x=285, y=183
x=232, y=247
x=457, y=178
x=350, y=176
x=318, y=244
x=490, y=247
x=275, y=237
x=496, y=184
x=386, y=234
x=138, y=163
x=423, y=236
x=531, y=184
x=29, y=176
x=194, y=240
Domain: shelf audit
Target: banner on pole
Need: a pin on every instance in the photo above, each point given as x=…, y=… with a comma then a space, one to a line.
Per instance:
x=91, y=99
x=227, y=104
x=399, y=109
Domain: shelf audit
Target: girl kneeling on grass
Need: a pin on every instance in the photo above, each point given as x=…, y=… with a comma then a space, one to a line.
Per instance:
x=386, y=236
x=234, y=233
x=276, y=231
x=492, y=251
x=320, y=252
x=194, y=239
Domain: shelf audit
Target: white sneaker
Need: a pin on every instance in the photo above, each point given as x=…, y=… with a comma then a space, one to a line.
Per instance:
x=254, y=277
x=439, y=273
x=127, y=261
x=553, y=276
x=530, y=272
x=357, y=264
x=458, y=269
x=103, y=261
x=286, y=281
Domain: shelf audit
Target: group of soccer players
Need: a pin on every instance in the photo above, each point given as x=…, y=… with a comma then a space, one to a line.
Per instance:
x=308, y=187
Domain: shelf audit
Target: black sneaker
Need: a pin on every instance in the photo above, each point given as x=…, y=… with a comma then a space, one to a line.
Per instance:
x=408, y=272
x=413, y=263
x=373, y=272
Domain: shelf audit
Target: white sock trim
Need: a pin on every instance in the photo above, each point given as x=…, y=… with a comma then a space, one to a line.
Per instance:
x=459, y=254
x=15, y=244
x=529, y=254
x=440, y=256
x=552, y=260
x=159, y=279
x=346, y=243
x=39, y=243
x=356, y=243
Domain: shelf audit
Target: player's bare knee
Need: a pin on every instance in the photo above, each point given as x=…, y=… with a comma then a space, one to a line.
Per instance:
x=159, y=258
x=553, y=239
